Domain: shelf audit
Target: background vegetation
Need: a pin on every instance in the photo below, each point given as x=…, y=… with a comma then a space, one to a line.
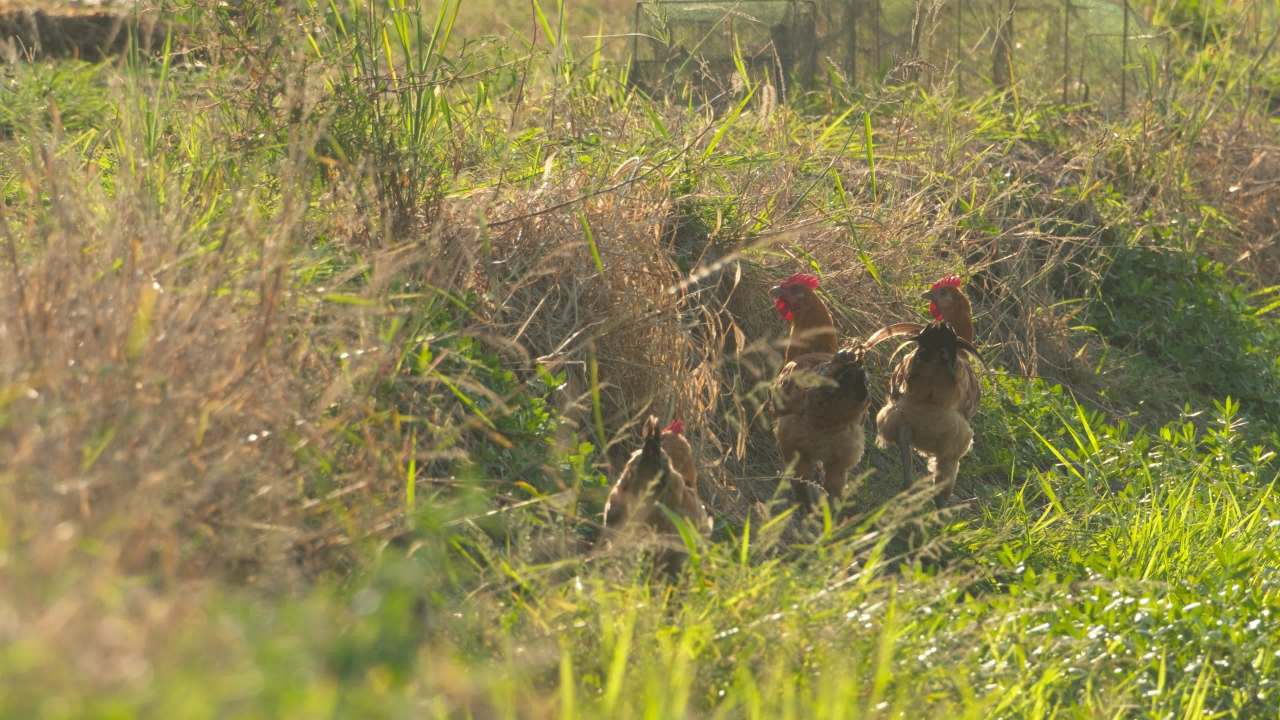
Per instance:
x=322, y=325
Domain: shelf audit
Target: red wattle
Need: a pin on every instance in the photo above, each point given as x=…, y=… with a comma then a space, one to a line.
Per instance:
x=934, y=311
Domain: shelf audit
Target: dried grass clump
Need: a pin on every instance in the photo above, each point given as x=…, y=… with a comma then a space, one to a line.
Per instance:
x=544, y=284
x=1238, y=169
x=142, y=387
x=165, y=392
x=657, y=340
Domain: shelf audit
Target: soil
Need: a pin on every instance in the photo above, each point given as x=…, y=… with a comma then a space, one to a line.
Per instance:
x=86, y=30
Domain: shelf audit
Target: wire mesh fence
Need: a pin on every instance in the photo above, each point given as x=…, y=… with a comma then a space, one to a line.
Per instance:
x=1098, y=51
x=1102, y=52
x=679, y=42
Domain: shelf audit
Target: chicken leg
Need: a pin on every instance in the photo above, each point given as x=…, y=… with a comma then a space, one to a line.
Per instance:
x=904, y=447
x=802, y=484
x=944, y=476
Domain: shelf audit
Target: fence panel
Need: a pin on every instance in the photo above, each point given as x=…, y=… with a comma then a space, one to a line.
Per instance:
x=1100, y=52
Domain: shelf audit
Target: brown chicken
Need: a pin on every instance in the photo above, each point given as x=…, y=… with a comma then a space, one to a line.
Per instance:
x=819, y=399
x=933, y=391
x=662, y=472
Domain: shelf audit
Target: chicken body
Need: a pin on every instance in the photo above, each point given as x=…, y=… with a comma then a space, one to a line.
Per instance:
x=820, y=403
x=934, y=391
x=678, y=449
x=932, y=394
x=662, y=472
x=819, y=398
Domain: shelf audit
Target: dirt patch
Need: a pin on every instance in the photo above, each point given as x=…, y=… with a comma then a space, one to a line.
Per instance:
x=86, y=32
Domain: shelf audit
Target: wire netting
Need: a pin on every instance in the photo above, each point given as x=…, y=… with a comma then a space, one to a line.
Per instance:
x=1103, y=52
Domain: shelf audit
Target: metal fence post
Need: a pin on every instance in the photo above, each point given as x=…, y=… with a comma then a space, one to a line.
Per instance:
x=851, y=28
x=913, y=53
x=957, y=69
x=1002, y=51
x=1066, y=49
x=876, y=71
x=1124, y=61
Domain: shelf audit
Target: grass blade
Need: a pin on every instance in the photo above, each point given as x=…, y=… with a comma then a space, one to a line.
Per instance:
x=869, y=150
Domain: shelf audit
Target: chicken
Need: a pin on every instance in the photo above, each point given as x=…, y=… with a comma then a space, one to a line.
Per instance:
x=819, y=399
x=933, y=391
x=677, y=447
x=662, y=472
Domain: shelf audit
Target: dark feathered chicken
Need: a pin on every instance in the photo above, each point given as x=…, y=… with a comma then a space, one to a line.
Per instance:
x=819, y=399
x=933, y=392
x=652, y=478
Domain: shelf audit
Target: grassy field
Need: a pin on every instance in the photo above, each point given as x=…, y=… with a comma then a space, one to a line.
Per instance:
x=322, y=327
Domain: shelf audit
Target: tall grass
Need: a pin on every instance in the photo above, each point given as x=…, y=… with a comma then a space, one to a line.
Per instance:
x=318, y=346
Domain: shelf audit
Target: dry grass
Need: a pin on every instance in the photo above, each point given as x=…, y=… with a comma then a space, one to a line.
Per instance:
x=1237, y=171
x=698, y=344
x=251, y=414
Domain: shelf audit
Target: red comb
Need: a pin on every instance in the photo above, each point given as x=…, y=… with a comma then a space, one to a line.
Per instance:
x=809, y=281
x=951, y=281
x=675, y=428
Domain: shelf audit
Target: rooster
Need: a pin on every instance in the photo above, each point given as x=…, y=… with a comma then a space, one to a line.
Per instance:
x=948, y=304
x=933, y=391
x=819, y=398
x=662, y=472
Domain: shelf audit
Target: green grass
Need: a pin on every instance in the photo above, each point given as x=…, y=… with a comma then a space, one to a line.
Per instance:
x=318, y=348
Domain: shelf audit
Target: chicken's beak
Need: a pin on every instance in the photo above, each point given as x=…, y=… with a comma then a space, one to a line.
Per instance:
x=928, y=295
x=775, y=291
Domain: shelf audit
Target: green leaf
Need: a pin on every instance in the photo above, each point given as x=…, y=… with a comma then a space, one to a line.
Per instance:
x=869, y=150
x=347, y=299
x=726, y=124
x=591, y=242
